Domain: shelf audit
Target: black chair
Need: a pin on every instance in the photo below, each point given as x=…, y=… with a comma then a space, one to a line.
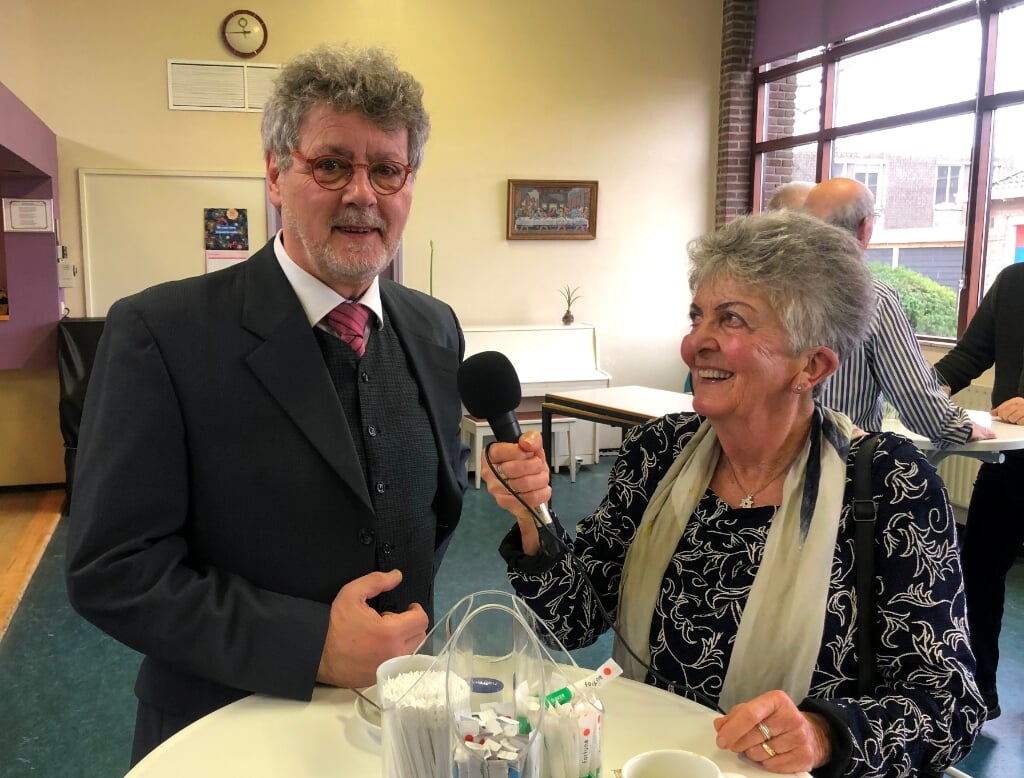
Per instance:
x=77, y=341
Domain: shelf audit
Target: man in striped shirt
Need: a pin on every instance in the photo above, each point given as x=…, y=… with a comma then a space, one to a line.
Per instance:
x=889, y=363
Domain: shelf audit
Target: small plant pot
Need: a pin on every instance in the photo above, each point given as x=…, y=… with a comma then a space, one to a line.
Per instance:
x=568, y=318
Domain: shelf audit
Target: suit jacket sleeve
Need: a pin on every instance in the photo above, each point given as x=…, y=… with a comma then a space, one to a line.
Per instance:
x=131, y=568
x=975, y=352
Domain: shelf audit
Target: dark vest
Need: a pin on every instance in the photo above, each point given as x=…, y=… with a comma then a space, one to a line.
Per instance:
x=398, y=455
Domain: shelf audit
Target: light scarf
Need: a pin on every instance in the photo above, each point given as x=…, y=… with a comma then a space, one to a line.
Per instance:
x=779, y=635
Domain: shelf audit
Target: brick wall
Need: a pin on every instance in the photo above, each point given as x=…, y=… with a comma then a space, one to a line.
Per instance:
x=735, y=111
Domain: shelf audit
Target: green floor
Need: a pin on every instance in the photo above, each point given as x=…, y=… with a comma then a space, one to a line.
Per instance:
x=66, y=702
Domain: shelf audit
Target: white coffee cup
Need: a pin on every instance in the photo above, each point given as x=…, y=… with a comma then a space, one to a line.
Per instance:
x=670, y=763
x=407, y=663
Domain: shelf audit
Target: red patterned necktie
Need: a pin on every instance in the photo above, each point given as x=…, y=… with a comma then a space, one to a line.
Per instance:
x=349, y=321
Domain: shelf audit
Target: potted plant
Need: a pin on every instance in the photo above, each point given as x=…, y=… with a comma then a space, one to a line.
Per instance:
x=570, y=296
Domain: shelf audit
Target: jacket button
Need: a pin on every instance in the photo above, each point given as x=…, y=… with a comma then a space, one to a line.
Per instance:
x=380, y=487
x=364, y=377
x=371, y=431
x=387, y=549
x=365, y=537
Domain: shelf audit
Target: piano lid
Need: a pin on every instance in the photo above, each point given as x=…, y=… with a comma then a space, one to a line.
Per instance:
x=542, y=354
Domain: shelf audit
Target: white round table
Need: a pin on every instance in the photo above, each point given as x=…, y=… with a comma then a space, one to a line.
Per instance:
x=1009, y=437
x=262, y=736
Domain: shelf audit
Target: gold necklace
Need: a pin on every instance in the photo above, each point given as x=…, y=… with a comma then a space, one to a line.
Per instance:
x=748, y=501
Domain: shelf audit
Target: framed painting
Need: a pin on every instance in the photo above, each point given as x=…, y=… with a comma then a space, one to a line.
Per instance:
x=551, y=210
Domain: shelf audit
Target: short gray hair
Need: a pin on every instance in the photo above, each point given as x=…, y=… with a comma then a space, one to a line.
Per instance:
x=347, y=79
x=810, y=272
x=790, y=195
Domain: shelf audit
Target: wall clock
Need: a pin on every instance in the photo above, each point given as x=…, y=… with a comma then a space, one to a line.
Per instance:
x=244, y=33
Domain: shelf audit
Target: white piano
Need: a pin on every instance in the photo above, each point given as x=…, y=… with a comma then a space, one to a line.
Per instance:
x=555, y=358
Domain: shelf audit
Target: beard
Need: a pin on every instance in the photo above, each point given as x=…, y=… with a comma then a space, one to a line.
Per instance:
x=356, y=263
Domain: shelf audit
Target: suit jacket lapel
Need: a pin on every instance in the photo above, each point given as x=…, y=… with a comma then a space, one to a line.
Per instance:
x=291, y=367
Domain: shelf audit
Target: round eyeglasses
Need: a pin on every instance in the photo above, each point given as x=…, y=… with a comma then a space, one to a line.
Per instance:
x=333, y=172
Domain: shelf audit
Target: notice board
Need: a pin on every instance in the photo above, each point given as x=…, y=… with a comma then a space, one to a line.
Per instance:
x=142, y=227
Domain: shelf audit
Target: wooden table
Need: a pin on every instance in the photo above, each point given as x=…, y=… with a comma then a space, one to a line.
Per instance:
x=617, y=406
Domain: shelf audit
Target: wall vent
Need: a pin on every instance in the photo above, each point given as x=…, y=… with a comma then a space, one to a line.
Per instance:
x=218, y=86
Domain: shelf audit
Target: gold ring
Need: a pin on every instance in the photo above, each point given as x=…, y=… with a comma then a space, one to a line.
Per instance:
x=765, y=732
x=768, y=749
x=499, y=472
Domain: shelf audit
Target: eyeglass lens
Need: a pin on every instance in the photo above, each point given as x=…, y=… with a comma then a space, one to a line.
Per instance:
x=335, y=172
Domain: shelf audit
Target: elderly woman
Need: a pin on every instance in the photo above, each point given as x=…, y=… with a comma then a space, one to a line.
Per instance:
x=725, y=544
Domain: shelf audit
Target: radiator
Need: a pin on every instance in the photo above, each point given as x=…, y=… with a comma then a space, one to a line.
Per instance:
x=959, y=472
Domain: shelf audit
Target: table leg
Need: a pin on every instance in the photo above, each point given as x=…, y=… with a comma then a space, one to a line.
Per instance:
x=937, y=455
x=545, y=432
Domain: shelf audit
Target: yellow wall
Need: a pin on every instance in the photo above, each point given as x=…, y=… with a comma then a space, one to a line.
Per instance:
x=624, y=93
x=31, y=449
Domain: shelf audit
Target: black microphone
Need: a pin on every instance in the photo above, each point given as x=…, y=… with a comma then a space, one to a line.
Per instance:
x=490, y=389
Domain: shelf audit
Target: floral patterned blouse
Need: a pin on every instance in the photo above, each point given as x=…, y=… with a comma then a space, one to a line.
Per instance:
x=926, y=710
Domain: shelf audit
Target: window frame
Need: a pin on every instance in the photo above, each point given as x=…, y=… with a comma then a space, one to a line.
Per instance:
x=982, y=108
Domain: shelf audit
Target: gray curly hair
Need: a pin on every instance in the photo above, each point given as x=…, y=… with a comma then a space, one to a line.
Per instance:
x=348, y=79
x=811, y=273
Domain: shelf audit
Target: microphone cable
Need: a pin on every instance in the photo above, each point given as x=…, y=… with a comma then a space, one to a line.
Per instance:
x=560, y=545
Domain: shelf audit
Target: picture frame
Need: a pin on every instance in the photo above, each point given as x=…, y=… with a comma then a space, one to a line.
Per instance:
x=551, y=210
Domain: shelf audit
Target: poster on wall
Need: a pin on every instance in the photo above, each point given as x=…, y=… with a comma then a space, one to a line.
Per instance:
x=27, y=215
x=226, y=231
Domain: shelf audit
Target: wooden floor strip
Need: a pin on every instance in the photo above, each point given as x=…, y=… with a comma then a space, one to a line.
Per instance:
x=26, y=553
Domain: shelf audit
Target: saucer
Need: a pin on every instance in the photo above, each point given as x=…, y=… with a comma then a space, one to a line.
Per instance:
x=369, y=715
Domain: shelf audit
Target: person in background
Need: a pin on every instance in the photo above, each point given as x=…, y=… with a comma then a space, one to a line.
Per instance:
x=994, y=532
x=270, y=466
x=791, y=195
x=726, y=542
x=889, y=364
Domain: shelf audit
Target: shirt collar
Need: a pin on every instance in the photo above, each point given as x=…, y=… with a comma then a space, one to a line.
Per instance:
x=318, y=299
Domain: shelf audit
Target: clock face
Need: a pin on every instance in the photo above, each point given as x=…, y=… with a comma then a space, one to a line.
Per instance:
x=244, y=33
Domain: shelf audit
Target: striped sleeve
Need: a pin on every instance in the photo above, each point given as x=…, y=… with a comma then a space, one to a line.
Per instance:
x=890, y=364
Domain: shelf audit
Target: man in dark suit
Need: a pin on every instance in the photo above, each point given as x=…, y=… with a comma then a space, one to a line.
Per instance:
x=270, y=466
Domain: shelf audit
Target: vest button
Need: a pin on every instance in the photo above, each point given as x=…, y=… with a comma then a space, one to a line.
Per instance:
x=371, y=431
x=387, y=549
x=364, y=377
x=365, y=536
x=380, y=487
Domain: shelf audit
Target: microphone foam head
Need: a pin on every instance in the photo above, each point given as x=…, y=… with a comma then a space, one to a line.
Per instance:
x=489, y=385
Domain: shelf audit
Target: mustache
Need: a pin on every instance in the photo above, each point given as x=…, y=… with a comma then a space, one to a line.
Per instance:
x=365, y=220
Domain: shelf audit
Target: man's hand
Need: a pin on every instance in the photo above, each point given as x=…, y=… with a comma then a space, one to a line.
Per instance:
x=1011, y=411
x=359, y=638
x=979, y=432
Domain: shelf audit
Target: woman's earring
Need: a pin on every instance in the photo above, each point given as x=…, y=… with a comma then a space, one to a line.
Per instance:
x=800, y=387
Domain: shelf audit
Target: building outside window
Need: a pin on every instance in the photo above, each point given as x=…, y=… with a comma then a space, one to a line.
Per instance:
x=947, y=183
x=913, y=135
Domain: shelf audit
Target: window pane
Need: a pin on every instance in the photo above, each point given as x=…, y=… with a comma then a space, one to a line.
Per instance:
x=918, y=243
x=883, y=82
x=1010, y=50
x=1005, y=243
x=793, y=105
x=784, y=166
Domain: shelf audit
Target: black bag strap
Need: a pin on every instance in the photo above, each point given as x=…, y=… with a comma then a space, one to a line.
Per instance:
x=864, y=510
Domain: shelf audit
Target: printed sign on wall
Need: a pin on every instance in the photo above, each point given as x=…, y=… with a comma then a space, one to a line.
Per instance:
x=226, y=232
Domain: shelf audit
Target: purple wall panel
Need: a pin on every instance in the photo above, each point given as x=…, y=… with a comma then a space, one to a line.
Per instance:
x=29, y=338
x=24, y=133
